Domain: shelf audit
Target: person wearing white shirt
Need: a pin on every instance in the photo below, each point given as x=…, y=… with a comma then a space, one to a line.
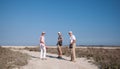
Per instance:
x=72, y=46
x=42, y=46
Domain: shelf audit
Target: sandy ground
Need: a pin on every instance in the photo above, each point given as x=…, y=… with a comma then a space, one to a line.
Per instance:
x=104, y=47
x=53, y=62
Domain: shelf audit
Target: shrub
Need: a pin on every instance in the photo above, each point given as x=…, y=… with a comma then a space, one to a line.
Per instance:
x=12, y=59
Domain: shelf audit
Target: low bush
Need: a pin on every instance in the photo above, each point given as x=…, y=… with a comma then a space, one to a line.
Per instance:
x=12, y=59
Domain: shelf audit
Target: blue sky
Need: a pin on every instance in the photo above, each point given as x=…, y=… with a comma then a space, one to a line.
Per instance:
x=93, y=22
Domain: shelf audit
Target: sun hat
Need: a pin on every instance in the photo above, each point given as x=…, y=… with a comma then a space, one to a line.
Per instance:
x=70, y=31
x=59, y=32
x=43, y=32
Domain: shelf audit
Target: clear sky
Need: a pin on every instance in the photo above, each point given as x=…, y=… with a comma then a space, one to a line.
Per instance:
x=93, y=22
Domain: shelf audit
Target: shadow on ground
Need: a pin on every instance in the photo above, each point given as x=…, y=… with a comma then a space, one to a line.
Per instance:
x=34, y=57
x=50, y=56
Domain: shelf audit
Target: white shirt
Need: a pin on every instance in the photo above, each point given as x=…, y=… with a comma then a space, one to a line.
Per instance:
x=72, y=38
x=43, y=40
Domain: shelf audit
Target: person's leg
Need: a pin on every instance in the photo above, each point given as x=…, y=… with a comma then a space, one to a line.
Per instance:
x=60, y=50
x=74, y=54
x=44, y=54
x=71, y=52
x=41, y=52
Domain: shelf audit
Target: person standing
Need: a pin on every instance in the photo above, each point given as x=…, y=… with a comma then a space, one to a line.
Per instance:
x=42, y=46
x=72, y=46
x=59, y=45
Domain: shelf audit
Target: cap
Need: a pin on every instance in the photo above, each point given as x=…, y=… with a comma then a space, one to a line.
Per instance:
x=70, y=31
x=43, y=32
x=59, y=32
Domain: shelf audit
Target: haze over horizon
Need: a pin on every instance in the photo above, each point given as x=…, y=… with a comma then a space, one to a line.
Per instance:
x=93, y=22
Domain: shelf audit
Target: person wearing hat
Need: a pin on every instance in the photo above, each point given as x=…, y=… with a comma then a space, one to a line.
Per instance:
x=72, y=46
x=59, y=45
x=42, y=46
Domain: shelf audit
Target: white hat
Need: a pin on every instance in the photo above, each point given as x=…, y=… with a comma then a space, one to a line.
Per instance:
x=70, y=31
x=59, y=32
x=43, y=32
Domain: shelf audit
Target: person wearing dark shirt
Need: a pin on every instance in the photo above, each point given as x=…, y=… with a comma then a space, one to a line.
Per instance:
x=59, y=45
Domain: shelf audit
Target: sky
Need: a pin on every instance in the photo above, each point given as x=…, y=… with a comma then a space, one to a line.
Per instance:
x=93, y=22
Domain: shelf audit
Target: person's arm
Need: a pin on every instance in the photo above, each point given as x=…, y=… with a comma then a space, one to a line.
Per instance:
x=74, y=40
x=41, y=40
x=60, y=39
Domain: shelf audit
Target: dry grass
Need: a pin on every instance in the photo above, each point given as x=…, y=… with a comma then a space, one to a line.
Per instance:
x=12, y=59
x=104, y=58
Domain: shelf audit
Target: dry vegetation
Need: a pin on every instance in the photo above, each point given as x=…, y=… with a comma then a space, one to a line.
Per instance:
x=104, y=58
x=12, y=59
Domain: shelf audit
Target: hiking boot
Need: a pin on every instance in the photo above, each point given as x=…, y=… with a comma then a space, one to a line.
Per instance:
x=59, y=57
